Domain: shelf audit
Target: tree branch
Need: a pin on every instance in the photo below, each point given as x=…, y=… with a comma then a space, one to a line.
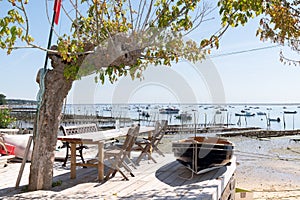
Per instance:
x=146, y=21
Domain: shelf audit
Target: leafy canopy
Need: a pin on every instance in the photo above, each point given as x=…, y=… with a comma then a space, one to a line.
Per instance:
x=279, y=23
x=125, y=35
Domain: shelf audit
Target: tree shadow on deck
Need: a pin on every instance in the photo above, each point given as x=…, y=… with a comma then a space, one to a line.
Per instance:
x=62, y=181
x=181, y=183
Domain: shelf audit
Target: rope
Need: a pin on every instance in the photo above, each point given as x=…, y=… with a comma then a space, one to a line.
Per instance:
x=41, y=91
x=42, y=73
x=64, y=109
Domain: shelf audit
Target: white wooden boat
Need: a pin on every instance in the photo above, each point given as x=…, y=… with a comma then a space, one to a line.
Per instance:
x=20, y=143
x=201, y=154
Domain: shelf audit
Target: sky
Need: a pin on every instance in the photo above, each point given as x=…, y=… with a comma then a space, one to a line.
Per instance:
x=249, y=77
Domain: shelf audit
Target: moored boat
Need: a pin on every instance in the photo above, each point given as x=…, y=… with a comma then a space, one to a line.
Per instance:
x=274, y=119
x=169, y=111
x=289, y=112
x=184, y=116
x=245, y=114
x=261, y=113
x=200, y=153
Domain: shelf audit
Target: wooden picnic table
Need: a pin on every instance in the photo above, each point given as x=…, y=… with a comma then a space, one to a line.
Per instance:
x=99, y=139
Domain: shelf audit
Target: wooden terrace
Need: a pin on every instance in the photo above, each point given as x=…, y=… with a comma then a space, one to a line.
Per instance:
x=166, y=179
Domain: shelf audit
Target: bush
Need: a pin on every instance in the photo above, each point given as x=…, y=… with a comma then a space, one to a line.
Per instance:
x=5, y=118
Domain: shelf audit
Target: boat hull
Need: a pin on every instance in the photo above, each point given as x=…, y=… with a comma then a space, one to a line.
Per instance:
x=169, y=111
x=198, y=153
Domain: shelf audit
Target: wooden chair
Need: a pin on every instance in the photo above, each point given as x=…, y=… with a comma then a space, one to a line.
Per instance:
x=117, y=156
x=148, y=145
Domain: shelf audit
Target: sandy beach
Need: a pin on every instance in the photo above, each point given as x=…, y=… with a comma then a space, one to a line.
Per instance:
x=269, y=168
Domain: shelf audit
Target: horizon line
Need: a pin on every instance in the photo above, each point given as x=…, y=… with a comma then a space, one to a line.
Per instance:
x=173, y=103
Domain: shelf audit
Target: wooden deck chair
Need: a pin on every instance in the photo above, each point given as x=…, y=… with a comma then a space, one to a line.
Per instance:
x=117, y=157
x=147, y=146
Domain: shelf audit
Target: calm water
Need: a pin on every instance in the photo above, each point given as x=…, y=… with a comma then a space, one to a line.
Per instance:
x=200, y=114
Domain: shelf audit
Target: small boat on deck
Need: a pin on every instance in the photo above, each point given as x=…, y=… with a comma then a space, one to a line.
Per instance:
x=202, y=153
x=20, y=143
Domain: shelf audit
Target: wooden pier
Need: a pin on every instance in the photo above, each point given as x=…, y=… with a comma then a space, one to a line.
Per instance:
x=261, y=133
x=166, y=179
x=199, y=128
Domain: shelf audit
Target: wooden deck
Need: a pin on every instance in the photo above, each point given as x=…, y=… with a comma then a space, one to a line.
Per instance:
x=166, y=179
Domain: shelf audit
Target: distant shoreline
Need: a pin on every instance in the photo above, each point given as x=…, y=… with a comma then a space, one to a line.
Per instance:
x=34, y=102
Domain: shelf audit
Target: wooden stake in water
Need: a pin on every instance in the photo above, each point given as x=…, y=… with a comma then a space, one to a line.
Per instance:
x=239, y=121
x=293, y=122
x=268, y=120
x=195, y=123
x=227, y=119
x=283, y=121
x=205, y=118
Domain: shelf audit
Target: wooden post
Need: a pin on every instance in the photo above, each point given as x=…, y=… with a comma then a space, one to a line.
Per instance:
x=73, y=160
x=205, y=118
x=283, y=121
x=227, y=118
x=195, y=124
x=293, y=122
x=24, y=161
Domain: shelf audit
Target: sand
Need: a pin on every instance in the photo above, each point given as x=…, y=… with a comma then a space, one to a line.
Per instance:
x=272, y=171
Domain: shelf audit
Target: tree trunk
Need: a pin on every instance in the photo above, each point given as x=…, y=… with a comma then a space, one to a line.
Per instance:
x=47, y=124
x=56, y=88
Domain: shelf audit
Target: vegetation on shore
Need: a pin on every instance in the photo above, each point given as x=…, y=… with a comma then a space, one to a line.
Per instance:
x=5, y=118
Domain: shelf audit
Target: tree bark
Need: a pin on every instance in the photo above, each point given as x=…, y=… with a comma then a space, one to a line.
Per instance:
x=47, y=124
x=56, y=88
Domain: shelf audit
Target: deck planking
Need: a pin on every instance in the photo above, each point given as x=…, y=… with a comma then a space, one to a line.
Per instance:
x=166, y=179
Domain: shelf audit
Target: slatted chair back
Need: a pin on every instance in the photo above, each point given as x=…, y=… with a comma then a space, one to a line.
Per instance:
x=120, y=155
x=147, y=146
x=160, y=131
x=133, y=134
x=130, y=139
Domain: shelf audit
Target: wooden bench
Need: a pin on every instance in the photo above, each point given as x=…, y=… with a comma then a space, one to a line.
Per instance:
x=77, y=129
